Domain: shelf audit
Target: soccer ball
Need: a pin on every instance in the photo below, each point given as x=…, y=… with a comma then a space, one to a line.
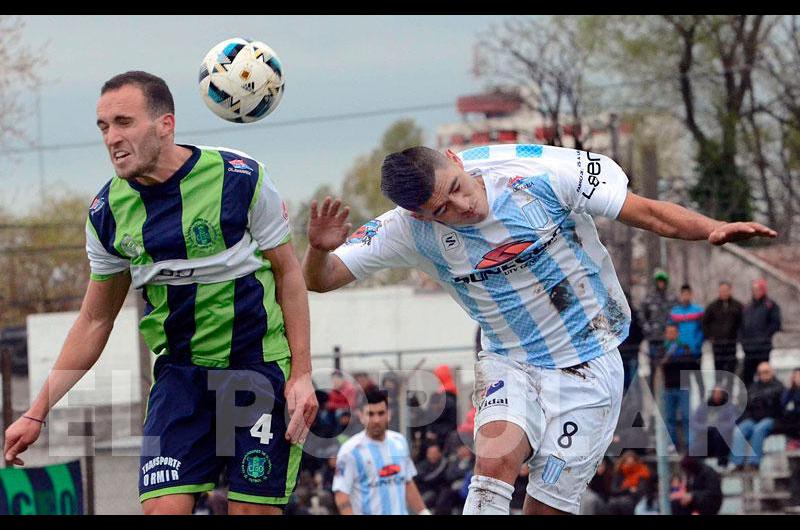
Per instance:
x=241, y=80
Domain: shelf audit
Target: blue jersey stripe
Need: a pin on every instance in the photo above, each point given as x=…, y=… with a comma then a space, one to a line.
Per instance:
x=179, y=324
x=425, y=242
x=549, y=274
x=506, y=297
x=249, y=320
x=611, y=308
x=383, y=489
x=238, y=189
x=399, y=457
x=363, y=482
x=162, y=231
x=102, y=219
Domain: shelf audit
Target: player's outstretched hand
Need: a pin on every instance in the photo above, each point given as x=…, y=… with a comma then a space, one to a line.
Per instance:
x=302, y=404
x=730, y=232
x=327, y=226
x=19, y=436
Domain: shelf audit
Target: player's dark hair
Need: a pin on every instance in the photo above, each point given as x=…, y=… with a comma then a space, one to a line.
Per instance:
x=375, y=395
x=156, y=92
x=407, y=176
x=686, y=287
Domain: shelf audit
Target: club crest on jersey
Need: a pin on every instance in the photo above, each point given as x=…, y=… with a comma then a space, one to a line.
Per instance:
x=97, y=204
x=239, y=166
x=365, y=234
x=201, y=234
x=256, y=465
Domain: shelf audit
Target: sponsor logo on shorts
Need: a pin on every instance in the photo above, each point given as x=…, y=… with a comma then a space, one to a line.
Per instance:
x=552, y=469
x=256, y=465
x=167, y=471
x=487, y=402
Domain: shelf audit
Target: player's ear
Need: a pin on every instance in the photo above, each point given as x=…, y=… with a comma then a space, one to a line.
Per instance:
x=166, y=124
x=454, y=158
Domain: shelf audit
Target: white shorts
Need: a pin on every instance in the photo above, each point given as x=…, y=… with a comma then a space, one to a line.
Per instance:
x=568, y=415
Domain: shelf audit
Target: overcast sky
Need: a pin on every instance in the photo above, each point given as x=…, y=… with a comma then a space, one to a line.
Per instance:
x=333, y=65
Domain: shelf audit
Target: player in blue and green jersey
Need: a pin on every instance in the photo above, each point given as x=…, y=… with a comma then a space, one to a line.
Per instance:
x=205, y=236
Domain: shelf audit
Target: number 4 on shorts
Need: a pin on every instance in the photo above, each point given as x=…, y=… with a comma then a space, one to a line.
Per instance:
x=261, y=429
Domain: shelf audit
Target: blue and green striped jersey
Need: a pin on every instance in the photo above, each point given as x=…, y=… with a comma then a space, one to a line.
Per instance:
x=194, y=245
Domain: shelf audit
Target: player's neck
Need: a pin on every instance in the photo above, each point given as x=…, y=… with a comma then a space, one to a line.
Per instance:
x=382, y=437
x=168, y=163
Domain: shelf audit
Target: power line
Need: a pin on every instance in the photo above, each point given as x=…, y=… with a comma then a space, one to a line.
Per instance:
x=250, y=127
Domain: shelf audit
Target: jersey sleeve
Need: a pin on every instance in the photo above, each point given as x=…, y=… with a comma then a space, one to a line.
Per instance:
x=587, y=182
x=382, y=243
x=345, y=475
x=582, y=181
x=102, y=264
x=269, y=218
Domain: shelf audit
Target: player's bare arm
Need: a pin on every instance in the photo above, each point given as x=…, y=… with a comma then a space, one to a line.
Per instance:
x=82, y=348
x=293, y=298
x=414, y=499
x=327, y=229
x=674, y=221
x=343, y=503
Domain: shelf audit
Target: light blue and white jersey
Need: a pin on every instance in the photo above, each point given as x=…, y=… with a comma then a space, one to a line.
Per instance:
x=533, y=274
x=374, y=474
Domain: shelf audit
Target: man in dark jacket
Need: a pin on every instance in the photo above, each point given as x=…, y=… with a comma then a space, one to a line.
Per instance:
x=721, y=322
x=763, y=407
x=700, y=492
x=629, y=349
x=761, y=319
x=653, y=319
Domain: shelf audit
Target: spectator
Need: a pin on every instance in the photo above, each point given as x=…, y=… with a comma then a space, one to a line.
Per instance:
x=595, y=500
x=365, y=382
x=342, y=396
x=629, y=349
x=714, y=421
x=788, y=422
x=688, y=316
x=391, y=385
x=445, y=400
x=449, y=501
x=763, y=406
x=431, y=475
x=654, y=313
x=630, y=475
x=677, y=358
x=721, y=323
x=761, y=319
x=700, y=490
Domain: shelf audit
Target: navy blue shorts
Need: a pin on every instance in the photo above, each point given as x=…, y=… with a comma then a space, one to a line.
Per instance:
x=203, y=421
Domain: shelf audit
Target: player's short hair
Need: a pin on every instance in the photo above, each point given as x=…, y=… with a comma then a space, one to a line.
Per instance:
x=156, y=92
x=376, y=395
x=407, y=176
x=686, y=287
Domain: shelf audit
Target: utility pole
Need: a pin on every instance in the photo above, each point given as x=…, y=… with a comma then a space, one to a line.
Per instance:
x=40, y=143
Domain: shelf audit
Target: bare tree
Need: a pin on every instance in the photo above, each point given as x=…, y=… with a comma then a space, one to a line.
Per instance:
x=543, y=63
x=20, y=64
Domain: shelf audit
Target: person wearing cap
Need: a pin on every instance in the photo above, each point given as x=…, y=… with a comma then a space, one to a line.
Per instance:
x=653, y=318
x=761, y=319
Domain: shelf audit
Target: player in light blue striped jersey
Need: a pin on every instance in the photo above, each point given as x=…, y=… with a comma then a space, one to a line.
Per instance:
x=374, y=470
x=507, y=230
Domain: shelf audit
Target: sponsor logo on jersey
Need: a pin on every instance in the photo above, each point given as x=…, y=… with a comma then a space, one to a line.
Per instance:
x=389, y=470
x=97, y=204
x=507, y=259
x=256, y=465
x=239, y=166
x=518, y=183
x=365, y=234
x=593, y=168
